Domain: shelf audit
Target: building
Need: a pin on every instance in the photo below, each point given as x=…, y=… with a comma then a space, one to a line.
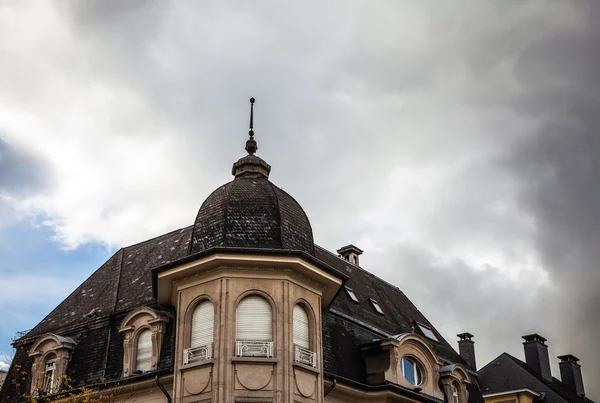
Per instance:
x=241, y=306
x=508, y=379
x=2, y=376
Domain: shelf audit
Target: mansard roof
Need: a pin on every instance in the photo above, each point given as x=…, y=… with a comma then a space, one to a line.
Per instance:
x=92, y=314
x=506, y=373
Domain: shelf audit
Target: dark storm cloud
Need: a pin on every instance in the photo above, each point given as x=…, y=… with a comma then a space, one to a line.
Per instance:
x=20, y=172
x=496, y=98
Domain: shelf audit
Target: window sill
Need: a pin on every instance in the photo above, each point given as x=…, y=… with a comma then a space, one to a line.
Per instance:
x=306, y=367
x=196, y=364
x=255, y=360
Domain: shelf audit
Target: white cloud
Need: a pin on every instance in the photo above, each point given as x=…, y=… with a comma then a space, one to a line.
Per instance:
x=391, y=125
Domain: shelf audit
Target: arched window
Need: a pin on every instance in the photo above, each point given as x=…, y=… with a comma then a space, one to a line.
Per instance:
x=201, y=340
x=143, y=360
x=301, y=332
x=49, y=382
x=302, y=352
x=454, y=393
x=254, y=321
x=412, y=371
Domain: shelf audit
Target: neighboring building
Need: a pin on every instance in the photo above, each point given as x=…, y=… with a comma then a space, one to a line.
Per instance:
x=507, y=379
x=241, y=306
x=2, y=376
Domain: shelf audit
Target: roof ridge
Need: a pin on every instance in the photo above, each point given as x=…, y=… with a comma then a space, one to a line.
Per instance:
x=156, y=237
x=274, y=192
x=361, y=269
x=69, y=296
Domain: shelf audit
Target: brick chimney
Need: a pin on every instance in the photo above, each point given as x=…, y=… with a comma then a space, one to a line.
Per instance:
x=536, y=355
x=350, y=253
x=570, y=373
x=466, y=347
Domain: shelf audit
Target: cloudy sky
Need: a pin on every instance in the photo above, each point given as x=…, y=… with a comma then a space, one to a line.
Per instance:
x=455, y=142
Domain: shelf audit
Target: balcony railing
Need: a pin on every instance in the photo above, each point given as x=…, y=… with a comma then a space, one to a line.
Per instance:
x=305, y=356
x=199, y=353
x=251, y=348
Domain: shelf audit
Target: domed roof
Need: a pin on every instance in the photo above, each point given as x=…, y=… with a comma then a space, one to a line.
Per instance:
x=251, y=212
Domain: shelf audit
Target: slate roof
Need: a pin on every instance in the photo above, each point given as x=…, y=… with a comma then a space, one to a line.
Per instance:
x=92, y=314
x=251, y=212
x=346, y=324
x=506, y=373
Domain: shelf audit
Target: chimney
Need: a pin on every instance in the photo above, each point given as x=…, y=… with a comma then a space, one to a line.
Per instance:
x=466, y=346
x=350, y=253
x=536, y=355
x=570, y=373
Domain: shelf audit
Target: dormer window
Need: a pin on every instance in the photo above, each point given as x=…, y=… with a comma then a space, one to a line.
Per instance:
x=143, y=359
x=351, y=294
x=143, y=330
x=49, y=384
x=51, y=355
x=454, y=393
x=427, y=332
x=412, y=371
x=376, y=306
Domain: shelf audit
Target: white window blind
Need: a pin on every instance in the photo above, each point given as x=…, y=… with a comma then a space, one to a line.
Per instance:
x=301, y=331
x=203, y=321
x=143, y=360
x=254, y=319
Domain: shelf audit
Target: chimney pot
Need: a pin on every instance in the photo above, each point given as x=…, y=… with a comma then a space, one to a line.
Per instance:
x=570, y=373
x=466, y=347
x=350, y=253
x=536, y=355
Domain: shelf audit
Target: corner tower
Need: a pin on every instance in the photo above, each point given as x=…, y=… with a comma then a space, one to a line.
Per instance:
x=249, y=295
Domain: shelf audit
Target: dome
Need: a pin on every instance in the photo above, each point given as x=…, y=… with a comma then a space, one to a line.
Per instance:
x=251, y=212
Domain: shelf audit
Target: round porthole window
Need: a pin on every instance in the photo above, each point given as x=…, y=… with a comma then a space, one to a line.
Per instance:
x=411, y=369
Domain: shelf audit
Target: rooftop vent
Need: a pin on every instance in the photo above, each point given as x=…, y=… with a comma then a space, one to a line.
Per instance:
x=350, y=253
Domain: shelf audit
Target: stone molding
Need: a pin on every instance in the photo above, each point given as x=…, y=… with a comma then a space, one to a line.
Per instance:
x=132, y=326
x=46, y=347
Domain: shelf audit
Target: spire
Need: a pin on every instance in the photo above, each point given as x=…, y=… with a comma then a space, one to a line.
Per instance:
x=251, y=164
x=251, y=145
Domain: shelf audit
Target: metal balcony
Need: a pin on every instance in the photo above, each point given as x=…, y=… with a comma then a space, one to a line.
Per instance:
x=250, y=348
x=305, y=356
x=200, y=353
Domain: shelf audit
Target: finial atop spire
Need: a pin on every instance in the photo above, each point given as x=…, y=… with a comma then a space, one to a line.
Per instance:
x=251, y=145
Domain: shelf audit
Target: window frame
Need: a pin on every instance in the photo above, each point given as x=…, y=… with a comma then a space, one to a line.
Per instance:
x=241, y=345
x=417, y=370
x=351, y=294
x=376, y=306
x=143, y=330
x=49, y=389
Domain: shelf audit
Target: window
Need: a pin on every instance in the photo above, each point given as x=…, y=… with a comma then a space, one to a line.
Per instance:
x=427, y=332
x=143, y=330
x=51, y=355
x=254, y=322
x=301, y=333
x=351, y=294
x=49, y=382
x=143, y=360
x=411, y=371
x=454, y=393
x=203, y=322
x=302, y=352
x=376, y=306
